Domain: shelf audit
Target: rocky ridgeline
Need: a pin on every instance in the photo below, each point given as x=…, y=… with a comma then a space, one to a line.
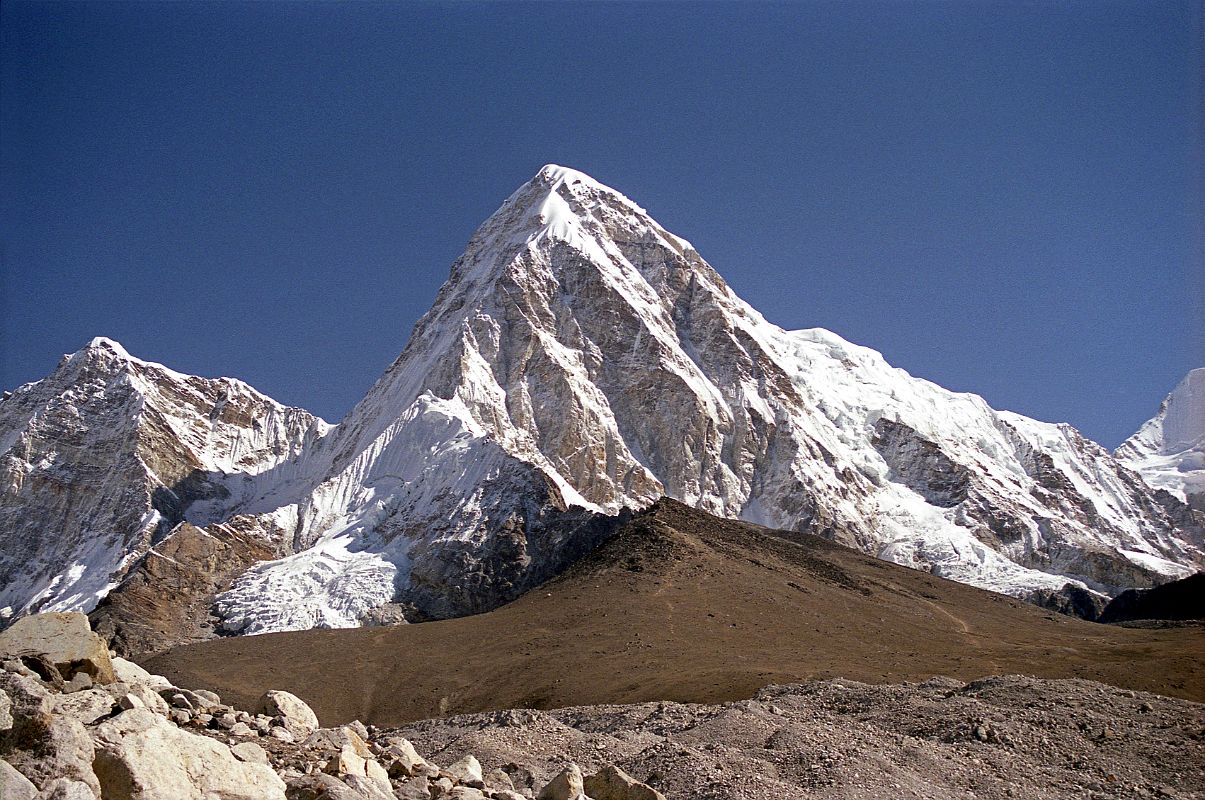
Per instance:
x=77, y=723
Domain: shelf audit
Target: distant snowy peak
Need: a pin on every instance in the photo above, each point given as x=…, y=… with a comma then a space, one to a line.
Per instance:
x=109, y=452
x=1169, y=449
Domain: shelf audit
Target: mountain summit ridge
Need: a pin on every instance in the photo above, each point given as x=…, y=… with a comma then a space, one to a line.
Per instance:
x=581, y=360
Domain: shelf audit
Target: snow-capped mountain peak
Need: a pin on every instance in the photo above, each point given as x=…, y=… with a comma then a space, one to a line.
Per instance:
x=581, y=360
x=110, y=452
x=582, y=355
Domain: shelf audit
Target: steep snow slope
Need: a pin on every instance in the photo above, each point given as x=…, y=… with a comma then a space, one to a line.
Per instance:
x=1169, y=450
x=582, y=357
x=105, y=457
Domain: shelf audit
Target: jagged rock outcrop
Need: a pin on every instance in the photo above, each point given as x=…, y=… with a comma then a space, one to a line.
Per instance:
x=580, y=361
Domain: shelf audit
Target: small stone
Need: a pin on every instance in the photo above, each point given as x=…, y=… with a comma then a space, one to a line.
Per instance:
x=467, y=771
x=129, y=701
x=566, y=786
x=298, y=717
x=282, y=734
x=250, y=752
x=243, y=729
x=179, y=716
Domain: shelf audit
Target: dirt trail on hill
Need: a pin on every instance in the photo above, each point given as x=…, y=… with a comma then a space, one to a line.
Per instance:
x=684, y=606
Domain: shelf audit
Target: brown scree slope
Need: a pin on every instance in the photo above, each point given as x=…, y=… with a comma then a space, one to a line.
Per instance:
x=683, y=606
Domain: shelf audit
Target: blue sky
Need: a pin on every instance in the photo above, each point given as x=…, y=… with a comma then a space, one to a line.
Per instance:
x=1004, y=198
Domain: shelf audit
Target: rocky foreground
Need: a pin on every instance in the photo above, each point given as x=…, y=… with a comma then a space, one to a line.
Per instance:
x=77, y=723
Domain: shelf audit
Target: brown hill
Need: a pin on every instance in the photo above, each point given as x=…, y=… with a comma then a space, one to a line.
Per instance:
x=683, y=606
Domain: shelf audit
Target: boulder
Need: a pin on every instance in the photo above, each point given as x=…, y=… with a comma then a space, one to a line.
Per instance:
x=282, y=734
x=250, y=752
x=468, y=772
x=62, y=639
x=78, y=683
x=370, y=788
x=143, y=756
x=465, y=793
x=299, y=719
x=242, y=729
x=207, y=697
x=498, y=779
x=14, y=785
x=566, y=786
x=414, y=789
x=320, y=787
x=403, y=760
x=612, y=783
x=354, y=760
x=131, y=673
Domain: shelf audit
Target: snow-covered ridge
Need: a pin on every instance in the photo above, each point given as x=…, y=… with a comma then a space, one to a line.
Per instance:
x=580, y=358
x=1169, y=449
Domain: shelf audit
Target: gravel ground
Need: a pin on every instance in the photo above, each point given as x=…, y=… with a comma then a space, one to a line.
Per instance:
x=1000, y=737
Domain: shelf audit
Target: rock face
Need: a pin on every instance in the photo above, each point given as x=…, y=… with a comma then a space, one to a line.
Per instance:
x=580, y=361
x=1169, y=450
x=166, y=597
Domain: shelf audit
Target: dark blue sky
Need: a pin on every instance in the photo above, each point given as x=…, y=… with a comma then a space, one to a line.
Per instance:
x=1004, y=198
